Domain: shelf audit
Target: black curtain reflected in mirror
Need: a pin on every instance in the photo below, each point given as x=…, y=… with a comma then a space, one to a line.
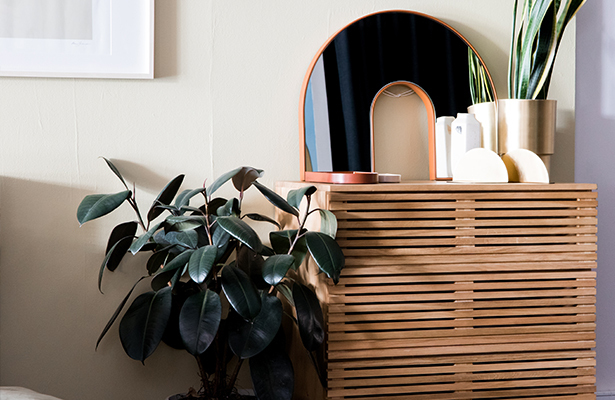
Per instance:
x=375, y=51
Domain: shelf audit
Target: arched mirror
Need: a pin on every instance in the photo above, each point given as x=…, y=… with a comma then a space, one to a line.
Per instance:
x=355, y=66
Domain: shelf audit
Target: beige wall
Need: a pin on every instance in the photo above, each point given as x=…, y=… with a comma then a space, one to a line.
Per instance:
x=228, y=77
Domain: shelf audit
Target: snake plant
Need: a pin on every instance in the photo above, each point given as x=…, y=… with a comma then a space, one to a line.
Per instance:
x=535, y=41
x=480, y=85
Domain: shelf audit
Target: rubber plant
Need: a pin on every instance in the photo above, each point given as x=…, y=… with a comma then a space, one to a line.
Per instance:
x=537, y=32
x=203, y=256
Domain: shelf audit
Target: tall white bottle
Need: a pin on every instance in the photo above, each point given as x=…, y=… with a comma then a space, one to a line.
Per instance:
x=443, y=147
x=465, y=136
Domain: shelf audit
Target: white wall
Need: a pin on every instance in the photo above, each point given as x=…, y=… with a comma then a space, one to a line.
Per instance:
x=228, y=77
x=595, y=141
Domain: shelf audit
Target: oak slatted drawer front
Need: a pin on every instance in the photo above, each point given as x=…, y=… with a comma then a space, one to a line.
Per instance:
x=455, y=291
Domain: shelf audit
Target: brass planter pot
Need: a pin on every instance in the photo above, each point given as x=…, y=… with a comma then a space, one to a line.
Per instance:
x=485, y=114
x=527, y=124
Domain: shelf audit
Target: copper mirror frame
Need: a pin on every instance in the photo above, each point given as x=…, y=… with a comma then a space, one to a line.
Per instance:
x=389, y=19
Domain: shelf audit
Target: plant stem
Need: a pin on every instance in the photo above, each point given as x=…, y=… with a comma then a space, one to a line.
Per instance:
x=231, y=383
x=301, y=224
x=134, y=206
x=202, y=374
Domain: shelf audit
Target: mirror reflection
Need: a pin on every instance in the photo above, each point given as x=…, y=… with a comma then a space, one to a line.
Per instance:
x=357, y=63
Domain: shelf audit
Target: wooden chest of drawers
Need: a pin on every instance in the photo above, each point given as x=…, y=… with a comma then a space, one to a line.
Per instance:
x=458, y=291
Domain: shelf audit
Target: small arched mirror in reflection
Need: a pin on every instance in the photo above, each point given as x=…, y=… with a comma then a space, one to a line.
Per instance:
x=352, y=68
x=400, y=119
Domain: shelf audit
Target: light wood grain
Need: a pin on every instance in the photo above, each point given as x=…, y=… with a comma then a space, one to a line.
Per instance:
x=461, y=291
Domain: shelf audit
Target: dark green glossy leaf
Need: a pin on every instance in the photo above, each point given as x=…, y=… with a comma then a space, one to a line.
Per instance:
x=201, y=262
x=214, y=204
x=177, y=276
x=309, y=317
x=230, y=208
x=96, y=205
x=294, y=197
x=220, y=237
x=113, y=254
x=196, y=211
x=281, y=241
x=171, y=271
x=241, y=231
x=119, y=234
x=327, y=254
x=276, y=199
x=328, y=223
x=117, y=252
x=117, y=312
x=180, y=294
x=252, y=264
x=276, y=267
x=178, y=262
x=115, y=171
x=183, y=199
x=222, y=179
x=172, y=209
x=101, y=270
x=165, y=197
x=138, y=244
x=286, y=292
x=185, y=239
x=199, y=321
x=162, y=279
x=245, y=177
x=248, y=338
x=184, y=223
x=144, y=323
x=156, y=261
x=267, y=251
x=240, y=292
x=272, y=372
x=264, y=218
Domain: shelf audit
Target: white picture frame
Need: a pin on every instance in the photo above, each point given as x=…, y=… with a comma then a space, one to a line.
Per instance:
x=52, y=40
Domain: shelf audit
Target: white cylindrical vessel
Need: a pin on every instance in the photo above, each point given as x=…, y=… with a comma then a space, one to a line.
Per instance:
x=443, y=147
x=465, y=136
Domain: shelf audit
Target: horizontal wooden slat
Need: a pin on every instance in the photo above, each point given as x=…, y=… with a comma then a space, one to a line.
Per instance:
x=401, y=233
x=468, y=349
x=386, y=224
x=464, y=359
x=396, y=316
x=504, y=374
x=456, y=195
x=458, y=205
x=460, y=323
x=526, y=383
x=398, y=257
x=409, y=277
x=452, y=332
x=340, y=374
x=461, y=305
x=518, y=294
x=458, y=341
x=457, y=286
x=465, y=241
x=409, y=215
x=581, y=392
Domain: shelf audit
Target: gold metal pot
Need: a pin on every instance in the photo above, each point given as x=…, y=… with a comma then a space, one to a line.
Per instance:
x=485, y=114
x=527, y=124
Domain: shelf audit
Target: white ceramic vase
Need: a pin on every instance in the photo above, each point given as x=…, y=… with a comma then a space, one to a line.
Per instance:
x=443, y=147
x=465, y=136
